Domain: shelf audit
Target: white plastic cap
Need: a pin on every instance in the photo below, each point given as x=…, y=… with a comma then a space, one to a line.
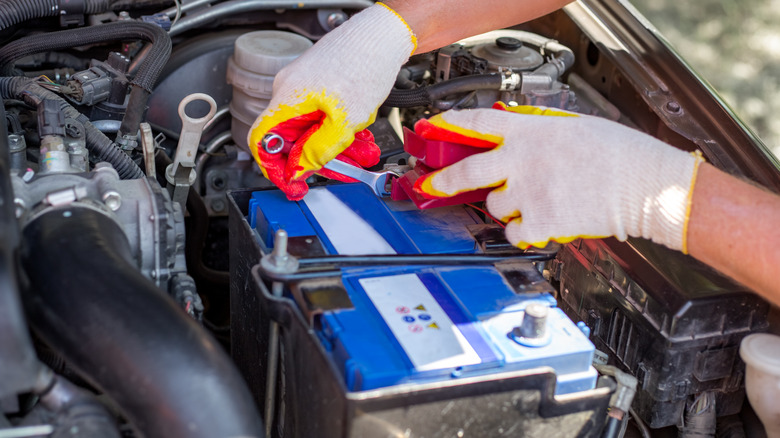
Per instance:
x=762, y=351
x=268, y=51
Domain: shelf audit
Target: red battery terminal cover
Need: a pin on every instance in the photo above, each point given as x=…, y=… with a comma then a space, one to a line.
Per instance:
x=432, y=155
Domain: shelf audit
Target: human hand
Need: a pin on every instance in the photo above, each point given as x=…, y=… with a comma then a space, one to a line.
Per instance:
x=322, y=99
x=560, y=178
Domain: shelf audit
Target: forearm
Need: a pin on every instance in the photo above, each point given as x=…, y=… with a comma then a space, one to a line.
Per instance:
x=437, y=23
x=735, y=228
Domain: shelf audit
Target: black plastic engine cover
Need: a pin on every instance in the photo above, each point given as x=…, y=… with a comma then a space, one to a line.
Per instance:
x=668, y=319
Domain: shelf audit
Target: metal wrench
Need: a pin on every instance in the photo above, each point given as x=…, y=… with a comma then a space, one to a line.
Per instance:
x=181, y=173
x=379, y=182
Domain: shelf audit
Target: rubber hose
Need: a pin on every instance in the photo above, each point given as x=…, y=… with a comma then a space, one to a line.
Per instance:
x=612, y=428
x=426, y=95
x=404, y=80
x=136, y=107
x=97, y=143
x=60, y=59
x=141, y=85
x=13, y=12
x=202, y=17
x=148, y=72
x=89, y=302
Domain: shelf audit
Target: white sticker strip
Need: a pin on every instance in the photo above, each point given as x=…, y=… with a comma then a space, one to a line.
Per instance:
x=348, y=232
x=426, y=333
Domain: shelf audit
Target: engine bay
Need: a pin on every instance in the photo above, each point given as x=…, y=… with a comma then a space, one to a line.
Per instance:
x=155, y=283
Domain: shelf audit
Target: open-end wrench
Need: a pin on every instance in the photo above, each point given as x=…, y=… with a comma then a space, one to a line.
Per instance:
x=379, y=182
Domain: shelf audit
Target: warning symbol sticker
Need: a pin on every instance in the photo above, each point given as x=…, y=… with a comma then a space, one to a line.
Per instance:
x=426, y=333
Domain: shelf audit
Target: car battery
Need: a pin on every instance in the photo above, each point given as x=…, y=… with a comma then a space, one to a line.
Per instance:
x=386, y=332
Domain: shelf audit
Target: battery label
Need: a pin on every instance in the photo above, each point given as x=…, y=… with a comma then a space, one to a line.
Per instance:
x=418, y=322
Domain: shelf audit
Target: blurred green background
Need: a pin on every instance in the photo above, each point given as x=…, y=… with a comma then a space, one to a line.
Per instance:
x=733, y=44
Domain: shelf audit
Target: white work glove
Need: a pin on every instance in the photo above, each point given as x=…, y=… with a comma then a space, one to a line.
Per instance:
x=322, y=99
x=560, y=178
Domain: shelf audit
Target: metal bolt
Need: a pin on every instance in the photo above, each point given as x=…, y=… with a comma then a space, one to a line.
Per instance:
x=103, y=165
x=20, y=207
x=673, y=107
x=112, y=199
x=279, y=253
x=279, y=261
x=16, y=143
x=217, y=181
x=532, y=331
x=336, y=19
x=218, y=204
x=534, y=323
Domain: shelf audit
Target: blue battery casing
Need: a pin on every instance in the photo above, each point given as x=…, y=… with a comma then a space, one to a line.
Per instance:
x=419, y=323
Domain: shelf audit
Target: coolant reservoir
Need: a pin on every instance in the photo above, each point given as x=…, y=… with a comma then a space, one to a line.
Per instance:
x=761, y=353
x=257, y=57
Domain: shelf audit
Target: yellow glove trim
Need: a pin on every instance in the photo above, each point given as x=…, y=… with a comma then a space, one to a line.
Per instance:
x=515, y=215
x=412, y=36
x=561, y=240
x=439, y=121
x=427, y=187
x=535, y=110
x=689, y=201
x=327, y=142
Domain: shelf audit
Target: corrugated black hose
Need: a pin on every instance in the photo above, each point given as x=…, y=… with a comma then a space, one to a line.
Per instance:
x=97, y=142
x=427, y=95
x=143, y=82
x=13, y=12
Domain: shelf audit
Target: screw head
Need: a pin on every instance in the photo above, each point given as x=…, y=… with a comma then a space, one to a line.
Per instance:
x=673, y=107
x=218, y=181
x=16, y=143
x=336, y=19
x=112, y=199
x=218, y=205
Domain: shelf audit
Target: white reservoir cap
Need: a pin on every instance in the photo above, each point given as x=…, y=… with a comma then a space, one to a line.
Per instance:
x=268, y=51
x=762, y=351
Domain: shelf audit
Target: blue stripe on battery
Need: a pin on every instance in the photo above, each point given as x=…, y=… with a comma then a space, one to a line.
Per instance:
x=371, y=209
x=326, y=243
x=451, y=308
